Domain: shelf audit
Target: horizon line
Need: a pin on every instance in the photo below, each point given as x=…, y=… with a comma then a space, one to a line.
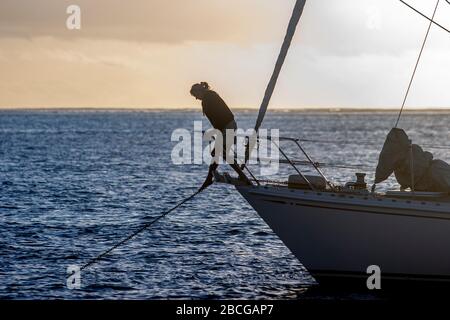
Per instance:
x=195, y=108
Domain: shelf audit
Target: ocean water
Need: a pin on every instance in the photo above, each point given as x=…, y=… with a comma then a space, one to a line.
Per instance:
x=73, y=183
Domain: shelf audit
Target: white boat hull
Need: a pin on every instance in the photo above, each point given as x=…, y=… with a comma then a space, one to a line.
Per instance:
x=335, y=235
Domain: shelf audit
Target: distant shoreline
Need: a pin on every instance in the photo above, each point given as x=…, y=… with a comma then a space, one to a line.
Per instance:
x=252, y=110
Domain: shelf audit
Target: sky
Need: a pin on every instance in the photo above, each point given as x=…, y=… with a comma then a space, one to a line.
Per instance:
x=147, y=53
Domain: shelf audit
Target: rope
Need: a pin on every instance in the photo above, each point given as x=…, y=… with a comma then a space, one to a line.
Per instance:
x=138, y=231
x=431, y=20
x=324, y=164
x=417, y=64
x=367, y=142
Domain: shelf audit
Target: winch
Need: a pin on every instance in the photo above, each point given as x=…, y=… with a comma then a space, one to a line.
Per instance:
x=359, y=184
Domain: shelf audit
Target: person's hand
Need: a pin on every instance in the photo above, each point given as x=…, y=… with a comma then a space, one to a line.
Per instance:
x=208, y=181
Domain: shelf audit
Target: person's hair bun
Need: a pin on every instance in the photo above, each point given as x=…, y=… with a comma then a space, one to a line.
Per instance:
x=202, y=86
x=205, y=85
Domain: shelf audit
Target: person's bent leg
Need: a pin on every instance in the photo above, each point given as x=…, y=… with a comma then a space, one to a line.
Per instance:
x=232, y=161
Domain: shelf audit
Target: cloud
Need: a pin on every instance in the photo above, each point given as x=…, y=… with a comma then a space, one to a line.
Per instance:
x=365, y=80
x=346, y=27
x=147, y=53
x=146, y=20
x=355, y=27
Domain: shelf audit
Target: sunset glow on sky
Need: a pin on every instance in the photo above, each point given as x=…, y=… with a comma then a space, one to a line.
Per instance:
x=147, y=53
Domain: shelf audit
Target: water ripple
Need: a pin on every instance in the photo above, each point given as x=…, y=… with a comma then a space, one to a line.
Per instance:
x=74, y=183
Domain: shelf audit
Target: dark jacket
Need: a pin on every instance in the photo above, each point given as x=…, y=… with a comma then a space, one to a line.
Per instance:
x=216, y=110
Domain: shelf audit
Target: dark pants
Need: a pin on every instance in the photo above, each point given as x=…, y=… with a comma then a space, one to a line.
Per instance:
x=226, y=151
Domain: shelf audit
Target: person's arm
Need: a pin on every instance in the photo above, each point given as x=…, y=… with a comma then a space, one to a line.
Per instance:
x=209, y=178
x=212, y=167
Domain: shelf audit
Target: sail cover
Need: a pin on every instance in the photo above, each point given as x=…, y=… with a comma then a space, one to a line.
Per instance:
x=296, y=14
x=428, y=174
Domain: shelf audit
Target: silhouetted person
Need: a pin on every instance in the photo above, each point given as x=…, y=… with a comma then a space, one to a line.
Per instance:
x=221, y=118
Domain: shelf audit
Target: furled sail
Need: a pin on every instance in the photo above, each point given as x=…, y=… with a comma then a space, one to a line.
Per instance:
x=296, y=14
x=293, y=22
x=413, y=167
